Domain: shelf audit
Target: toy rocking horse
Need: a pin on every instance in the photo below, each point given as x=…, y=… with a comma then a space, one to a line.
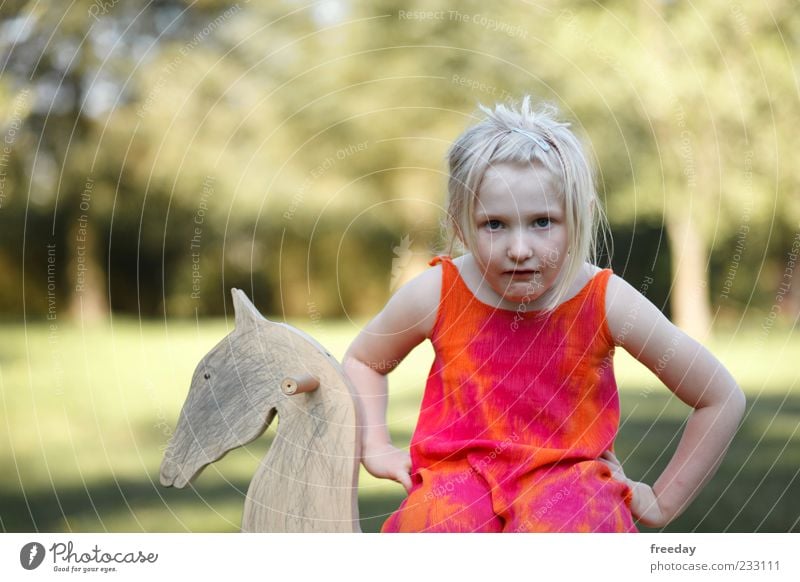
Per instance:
x=308, y=481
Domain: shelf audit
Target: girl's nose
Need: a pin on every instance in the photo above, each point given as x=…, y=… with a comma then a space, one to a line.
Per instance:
x=519, y=248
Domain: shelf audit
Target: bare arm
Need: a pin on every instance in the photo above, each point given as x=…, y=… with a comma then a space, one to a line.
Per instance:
x=695, y=376
x=404, y=323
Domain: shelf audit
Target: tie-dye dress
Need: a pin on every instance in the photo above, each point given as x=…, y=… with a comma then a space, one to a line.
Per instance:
x=517, y=408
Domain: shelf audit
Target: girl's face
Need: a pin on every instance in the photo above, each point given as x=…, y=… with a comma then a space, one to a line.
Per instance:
x=521, y=241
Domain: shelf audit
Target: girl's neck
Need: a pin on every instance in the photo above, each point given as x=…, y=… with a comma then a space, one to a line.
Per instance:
x=470, y=273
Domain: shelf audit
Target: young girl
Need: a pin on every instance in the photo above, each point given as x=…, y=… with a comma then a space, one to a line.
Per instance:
x=520, y=412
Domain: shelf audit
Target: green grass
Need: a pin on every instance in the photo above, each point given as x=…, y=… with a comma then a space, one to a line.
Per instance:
x=87, y=414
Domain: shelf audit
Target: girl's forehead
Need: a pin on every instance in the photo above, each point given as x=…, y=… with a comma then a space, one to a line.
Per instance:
x=521, y=186
x=512, y=172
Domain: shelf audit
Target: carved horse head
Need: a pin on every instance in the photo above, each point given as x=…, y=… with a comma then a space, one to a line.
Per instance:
x=308, y=479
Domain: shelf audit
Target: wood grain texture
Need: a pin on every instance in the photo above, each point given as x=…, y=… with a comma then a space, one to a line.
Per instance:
x=308, y=481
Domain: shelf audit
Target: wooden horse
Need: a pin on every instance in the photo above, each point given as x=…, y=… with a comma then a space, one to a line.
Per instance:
x=308, y=481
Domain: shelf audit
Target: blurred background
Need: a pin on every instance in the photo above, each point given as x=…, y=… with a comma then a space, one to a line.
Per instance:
x=156, y=154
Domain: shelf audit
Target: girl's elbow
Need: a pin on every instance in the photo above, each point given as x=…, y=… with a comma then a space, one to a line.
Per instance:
x=730, y=403
x=357, y=353
x=734, y=402
x=350, y=361
x=738, y=401
x=732, y=398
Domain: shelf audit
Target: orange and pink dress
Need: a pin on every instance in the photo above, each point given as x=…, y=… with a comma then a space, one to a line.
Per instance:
x=517, y=409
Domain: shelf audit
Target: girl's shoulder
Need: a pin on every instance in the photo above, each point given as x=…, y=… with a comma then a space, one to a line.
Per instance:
x=632, y=318
x=418, y=300
x=620, y=295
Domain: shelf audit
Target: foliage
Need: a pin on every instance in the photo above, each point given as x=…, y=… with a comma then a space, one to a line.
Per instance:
x=306, y=141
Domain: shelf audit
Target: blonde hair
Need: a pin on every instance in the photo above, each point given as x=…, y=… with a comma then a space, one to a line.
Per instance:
x=523, y=136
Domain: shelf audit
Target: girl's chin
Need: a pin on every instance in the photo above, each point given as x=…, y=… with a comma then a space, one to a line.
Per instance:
x=519, y=296
x=519, y=290
x=520, y=299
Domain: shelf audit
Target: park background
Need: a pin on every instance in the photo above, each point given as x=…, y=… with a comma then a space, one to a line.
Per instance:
x=156, y=154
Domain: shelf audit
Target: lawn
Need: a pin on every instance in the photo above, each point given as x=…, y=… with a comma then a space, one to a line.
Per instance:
x=88, y=412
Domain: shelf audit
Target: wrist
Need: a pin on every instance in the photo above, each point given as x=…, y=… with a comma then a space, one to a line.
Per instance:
x=652, y=511
x=375, y=442
x=669, y=509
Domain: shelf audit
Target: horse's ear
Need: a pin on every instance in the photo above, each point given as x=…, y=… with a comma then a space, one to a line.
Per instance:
x=246, y=312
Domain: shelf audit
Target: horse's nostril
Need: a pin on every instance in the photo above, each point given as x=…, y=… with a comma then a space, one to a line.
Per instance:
x=206, y=375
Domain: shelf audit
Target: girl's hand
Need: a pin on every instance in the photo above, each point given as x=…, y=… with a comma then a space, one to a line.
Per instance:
x=644, y=503
x=388, y=462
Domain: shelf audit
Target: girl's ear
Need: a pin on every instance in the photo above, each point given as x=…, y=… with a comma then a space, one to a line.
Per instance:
x=459, y=235
x=462, y=241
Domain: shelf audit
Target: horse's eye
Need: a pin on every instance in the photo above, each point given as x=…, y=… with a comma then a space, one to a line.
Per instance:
x=206, y=375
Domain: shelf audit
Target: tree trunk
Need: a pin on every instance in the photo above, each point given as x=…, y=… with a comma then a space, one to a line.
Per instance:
x=689, y=296
x=87, y=290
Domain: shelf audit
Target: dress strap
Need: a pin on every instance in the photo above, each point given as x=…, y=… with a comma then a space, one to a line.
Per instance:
x=601, y=279
x=440, y=259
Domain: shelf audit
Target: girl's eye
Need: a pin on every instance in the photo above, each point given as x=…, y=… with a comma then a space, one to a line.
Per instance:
x=542, y=222
x=493, y=224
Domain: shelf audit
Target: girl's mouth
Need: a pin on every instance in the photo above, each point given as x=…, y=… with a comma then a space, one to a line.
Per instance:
x=520, y=273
